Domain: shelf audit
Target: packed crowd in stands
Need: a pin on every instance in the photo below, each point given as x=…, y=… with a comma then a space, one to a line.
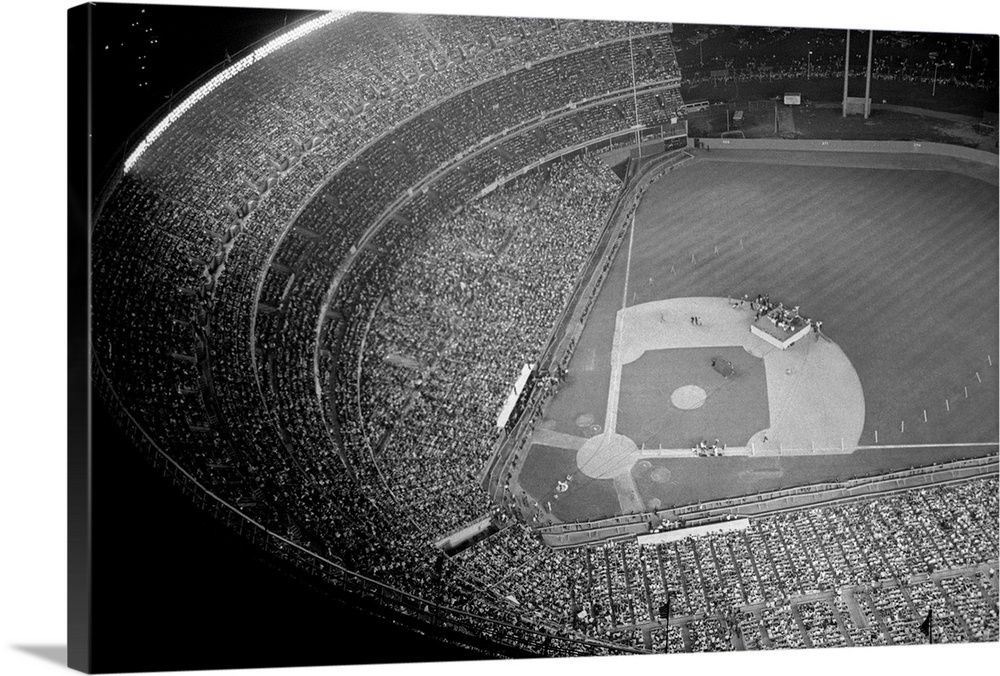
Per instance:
x=882, y=69
x=784, y=581
x=201, y=212
x=759, y=54
x=403, y=234
x=318, y=241
x=398, y=252
x=468, y=308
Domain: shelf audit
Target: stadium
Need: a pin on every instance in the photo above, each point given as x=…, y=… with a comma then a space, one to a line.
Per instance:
x=487, y=327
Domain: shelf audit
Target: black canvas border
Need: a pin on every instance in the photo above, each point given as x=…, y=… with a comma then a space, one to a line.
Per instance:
x=79, y=563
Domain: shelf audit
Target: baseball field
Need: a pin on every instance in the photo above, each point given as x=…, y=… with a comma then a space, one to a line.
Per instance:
x=897, y=256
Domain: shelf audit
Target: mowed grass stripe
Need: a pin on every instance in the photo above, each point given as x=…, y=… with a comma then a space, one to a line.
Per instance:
x=703, y=217
x=935, y=256
x=925, y=255
x=922, y=259
x=760, y=251
x=750, y=199
x=907, y=256
x=917, y=258
x=823, y=236
x=789, y=240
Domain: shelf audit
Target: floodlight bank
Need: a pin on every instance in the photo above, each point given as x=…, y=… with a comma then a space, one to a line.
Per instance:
x=228, y=73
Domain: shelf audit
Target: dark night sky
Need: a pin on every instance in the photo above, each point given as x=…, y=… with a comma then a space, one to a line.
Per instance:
x=144, y=54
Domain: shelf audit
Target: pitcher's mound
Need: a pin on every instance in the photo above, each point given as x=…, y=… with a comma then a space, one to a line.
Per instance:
x=688, y=397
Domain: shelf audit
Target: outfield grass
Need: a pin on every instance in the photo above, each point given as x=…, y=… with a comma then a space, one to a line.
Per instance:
x=900, y=265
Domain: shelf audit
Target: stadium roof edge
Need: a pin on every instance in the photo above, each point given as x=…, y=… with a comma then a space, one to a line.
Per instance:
x=228, y=73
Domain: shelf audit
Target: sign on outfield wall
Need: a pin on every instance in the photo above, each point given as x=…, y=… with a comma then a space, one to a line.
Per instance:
x=793, y=99
x=855, y=105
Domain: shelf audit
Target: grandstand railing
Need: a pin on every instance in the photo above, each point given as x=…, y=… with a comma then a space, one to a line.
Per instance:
x=648, y=132
x=595, y=524
x=841, y=497
x=817, y=494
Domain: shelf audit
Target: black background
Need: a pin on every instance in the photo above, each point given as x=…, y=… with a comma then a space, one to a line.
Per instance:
x=175, y=589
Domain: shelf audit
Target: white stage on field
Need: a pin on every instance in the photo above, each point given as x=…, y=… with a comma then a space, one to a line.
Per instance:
x=771, y=333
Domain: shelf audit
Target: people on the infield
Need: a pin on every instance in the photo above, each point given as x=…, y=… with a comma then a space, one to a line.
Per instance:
x=703, y=448
x=786, y=319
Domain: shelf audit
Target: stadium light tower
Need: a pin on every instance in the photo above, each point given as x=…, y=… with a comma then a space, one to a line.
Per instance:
x=868, y=76
x=934, y=85
x=809, y=65
x=847, y=62
x=635, y=95
x=868, y=73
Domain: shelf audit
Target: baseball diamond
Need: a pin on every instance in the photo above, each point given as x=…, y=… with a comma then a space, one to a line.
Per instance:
x=894, y=256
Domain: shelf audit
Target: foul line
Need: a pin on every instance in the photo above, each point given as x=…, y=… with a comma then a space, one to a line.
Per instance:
x=971, y=443
x=611, y=416
x=628, y=261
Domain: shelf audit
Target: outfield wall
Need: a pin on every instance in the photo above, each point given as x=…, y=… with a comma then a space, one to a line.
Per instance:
x=889, y=147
